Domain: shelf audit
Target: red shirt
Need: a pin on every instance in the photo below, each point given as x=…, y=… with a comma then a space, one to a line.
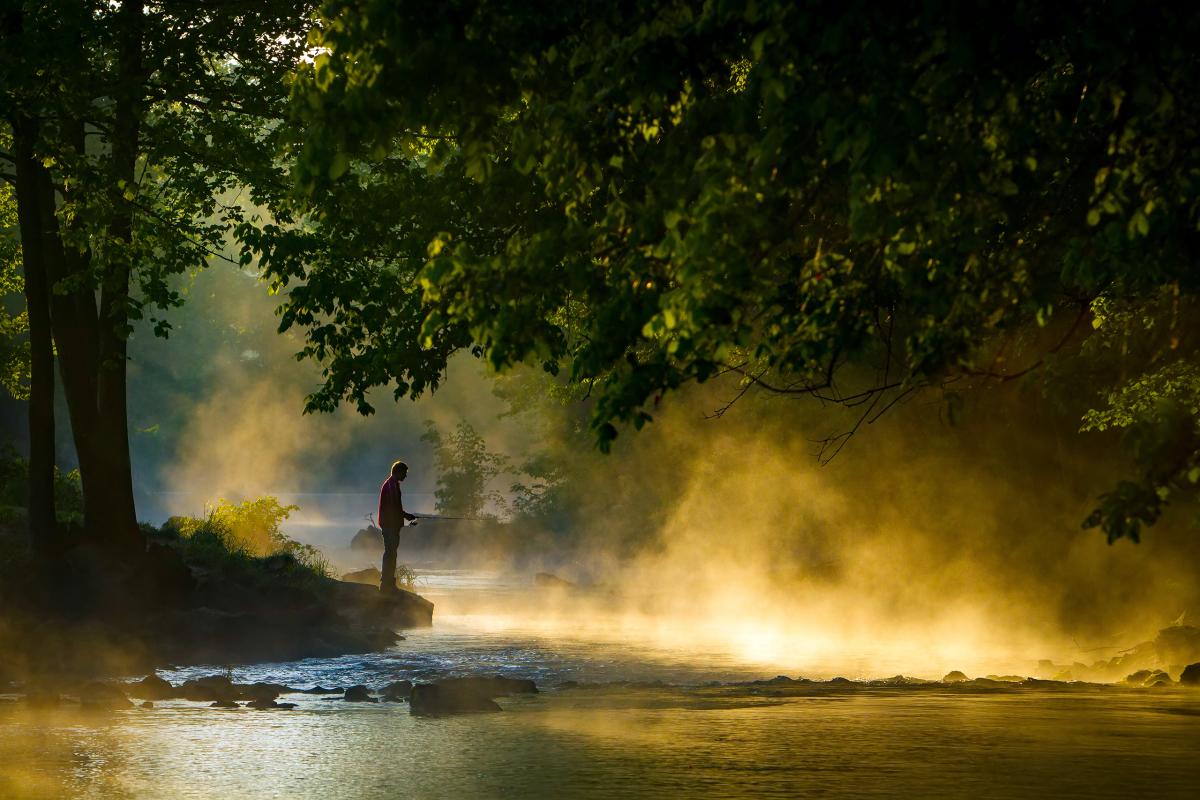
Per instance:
x=391, y=509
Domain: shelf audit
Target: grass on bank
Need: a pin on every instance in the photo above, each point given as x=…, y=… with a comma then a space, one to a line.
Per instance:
x=246, y=539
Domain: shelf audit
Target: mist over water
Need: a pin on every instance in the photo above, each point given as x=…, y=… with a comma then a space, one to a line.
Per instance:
x=922, y=547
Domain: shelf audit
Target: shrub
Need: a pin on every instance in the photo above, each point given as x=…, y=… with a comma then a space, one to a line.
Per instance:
x=247, y=533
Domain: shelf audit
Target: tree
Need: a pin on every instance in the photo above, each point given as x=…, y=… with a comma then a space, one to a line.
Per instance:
x=465, y=469
x=832, y=200
x=133, y=125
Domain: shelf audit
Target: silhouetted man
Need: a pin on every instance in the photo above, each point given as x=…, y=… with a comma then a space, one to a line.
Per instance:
x=391, y=519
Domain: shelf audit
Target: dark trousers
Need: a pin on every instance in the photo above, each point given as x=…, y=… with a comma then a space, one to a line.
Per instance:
x=391, y=541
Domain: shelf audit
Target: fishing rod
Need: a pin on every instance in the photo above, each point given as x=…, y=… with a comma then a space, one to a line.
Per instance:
x=443, y=516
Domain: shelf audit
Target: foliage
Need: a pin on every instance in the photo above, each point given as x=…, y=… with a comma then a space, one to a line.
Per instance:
x=406, y=577
x=135, y=128
x=465, y=468
x=249, y=531
x=14, y=348
x=14, y=490
x=837, y=200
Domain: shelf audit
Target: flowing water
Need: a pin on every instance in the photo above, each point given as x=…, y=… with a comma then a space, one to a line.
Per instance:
x=619, y=715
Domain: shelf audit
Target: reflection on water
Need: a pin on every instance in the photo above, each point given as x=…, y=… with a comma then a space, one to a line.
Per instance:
x=689, y=738
x=621, y=742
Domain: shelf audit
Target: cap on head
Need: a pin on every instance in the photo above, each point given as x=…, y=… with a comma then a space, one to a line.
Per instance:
x=399, y=467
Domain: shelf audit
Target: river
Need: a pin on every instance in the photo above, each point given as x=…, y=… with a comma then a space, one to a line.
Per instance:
x=619, y=715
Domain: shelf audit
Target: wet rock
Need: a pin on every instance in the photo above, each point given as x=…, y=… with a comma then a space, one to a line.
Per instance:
x=359, y=694
x=261, y=691
x=223, y=704
x=263, y=704
x=148, y=704
x=1190, y=675
x=102, y=696
x=322, y=690
x=152, y=687
x=954, y=676
x=217, y=688
x=840, y=681
x=433, y=700
x=1147, y=677
x=397, y=692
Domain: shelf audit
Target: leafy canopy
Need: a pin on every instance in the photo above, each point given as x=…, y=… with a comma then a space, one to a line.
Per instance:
x=844, y=200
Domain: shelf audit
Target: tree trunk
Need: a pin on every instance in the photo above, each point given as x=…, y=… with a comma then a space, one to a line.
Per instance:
x=43, y=522
x=111, y=398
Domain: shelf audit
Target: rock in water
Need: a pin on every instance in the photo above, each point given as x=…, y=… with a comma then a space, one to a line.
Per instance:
x=215, y=688
x=359, y=694
x=1148, y=677
x=103, y=696
x=434, y=700
x=1191, y=675
x=262, y=692
x=152, y=687
x=397, y=692
x=954, y=676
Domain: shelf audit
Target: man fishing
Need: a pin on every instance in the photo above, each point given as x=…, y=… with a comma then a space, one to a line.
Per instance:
x=391, y=519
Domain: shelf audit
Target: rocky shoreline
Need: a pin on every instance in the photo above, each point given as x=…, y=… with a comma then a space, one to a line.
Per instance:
x=90, y=615
x=437, y=698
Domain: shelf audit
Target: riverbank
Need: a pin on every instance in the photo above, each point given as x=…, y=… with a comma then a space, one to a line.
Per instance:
x=182, y=601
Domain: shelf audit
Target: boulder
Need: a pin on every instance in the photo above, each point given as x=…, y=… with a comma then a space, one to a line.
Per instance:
x=152, y=687
x=359, y=694
x=954, y=676
x=1191, y=675
x=435, y=700
x=262, y=692
x=223, y=704
x=398, y=609
x=322, y=690
x=102, y=696
x=216, y=688
x=397, y=691
x=369, y=576
x=148, y=704
x=262, y=704
x=1147, y=677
